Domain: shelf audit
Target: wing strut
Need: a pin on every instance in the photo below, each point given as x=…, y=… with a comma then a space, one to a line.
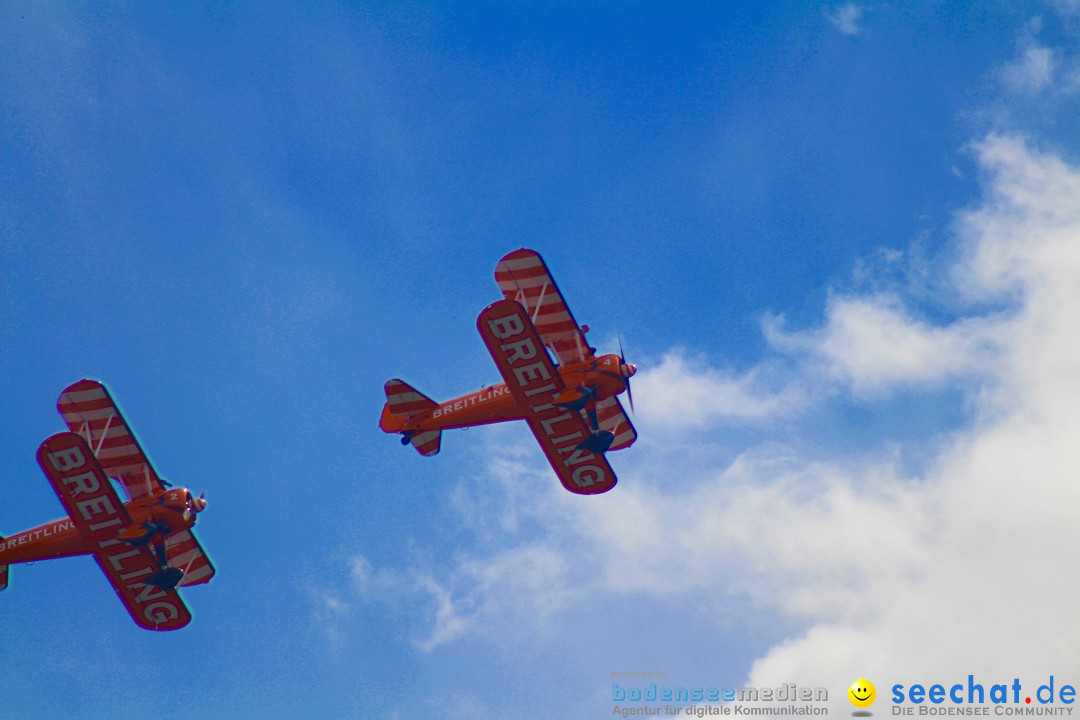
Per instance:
x=539, y=302
x=104, y=432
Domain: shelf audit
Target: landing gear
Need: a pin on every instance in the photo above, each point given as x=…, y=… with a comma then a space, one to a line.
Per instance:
x=588, y=394
x=406, y=438
x=600, y=440
x=166, y=578
x=148, y=531
x=575, y=404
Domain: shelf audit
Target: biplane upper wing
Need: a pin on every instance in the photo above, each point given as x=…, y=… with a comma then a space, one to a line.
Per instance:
x=96, y=510
x=523, y=277
x=90, y=411
x=611, y=417
x=518, y=351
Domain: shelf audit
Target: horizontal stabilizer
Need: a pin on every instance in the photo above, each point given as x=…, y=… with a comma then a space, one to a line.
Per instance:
x=427, y=442
x=403, y=400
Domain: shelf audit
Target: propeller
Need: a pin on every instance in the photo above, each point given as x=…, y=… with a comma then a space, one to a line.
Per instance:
x=628, y=370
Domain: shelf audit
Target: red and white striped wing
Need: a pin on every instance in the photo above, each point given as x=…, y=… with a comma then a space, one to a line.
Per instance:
x=523, y=277
x=90, y=411
x=611, y=417
x=184, y=552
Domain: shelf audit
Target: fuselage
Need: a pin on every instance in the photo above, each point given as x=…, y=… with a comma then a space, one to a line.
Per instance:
x=61, y=538
x=606, y=375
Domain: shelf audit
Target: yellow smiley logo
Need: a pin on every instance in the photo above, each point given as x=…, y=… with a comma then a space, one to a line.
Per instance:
x=862, y=693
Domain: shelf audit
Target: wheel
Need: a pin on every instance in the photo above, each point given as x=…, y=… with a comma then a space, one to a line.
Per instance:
x=166, y=578
x=598, y=442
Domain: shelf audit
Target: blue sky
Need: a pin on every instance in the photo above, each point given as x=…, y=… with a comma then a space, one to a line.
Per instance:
x=840, y=241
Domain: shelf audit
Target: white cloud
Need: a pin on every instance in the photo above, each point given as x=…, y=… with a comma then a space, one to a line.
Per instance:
x=845, y=18
x=1067, y=8
x=872, y=344
x=1070, y=82
x=1040, y=69
x=328, y=611
x=965, y=568
x=973, y=551
x=1032, y=72
x=684, y=392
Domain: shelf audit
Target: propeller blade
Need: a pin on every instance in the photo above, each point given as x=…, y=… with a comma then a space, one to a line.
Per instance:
x=622, y=359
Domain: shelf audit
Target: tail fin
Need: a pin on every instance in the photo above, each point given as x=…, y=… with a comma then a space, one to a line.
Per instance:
x=402, y=401
x=3, y=573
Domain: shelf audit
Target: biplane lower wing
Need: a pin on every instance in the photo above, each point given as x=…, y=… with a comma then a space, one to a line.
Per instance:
x=94, y=507
x=519, y=353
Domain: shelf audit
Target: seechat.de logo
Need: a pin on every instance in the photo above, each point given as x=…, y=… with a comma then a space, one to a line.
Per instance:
x=862, y=693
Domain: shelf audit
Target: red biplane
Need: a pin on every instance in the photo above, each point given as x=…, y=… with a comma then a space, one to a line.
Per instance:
x=571, y=407
x=144, y=546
